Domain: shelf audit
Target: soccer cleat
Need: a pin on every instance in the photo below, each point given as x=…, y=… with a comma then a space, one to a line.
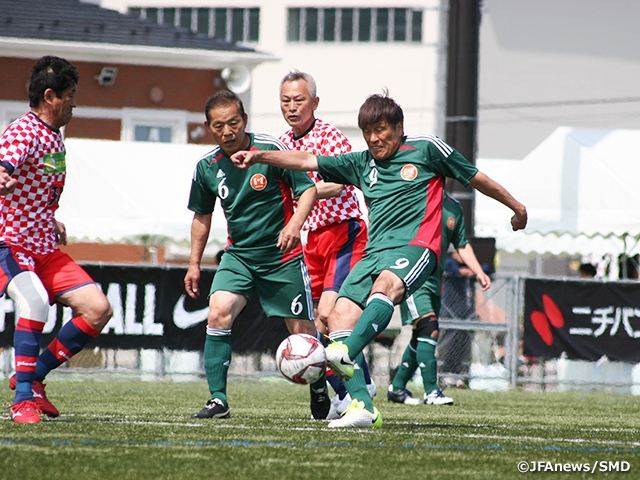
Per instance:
x=320, y=403
x=339, y=361
x=39, y=397
x=25, y=412
x=214, y=408
x=357, y=416
x=338, y=406
x=402, y=396
x=436, y=397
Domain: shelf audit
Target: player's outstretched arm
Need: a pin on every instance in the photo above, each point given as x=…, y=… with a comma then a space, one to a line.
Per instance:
x=493, y=189
x=287, y=159
x=468, y=257
x=200, y=227
x=290, y=235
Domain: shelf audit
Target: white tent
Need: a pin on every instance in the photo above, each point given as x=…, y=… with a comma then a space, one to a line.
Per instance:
x=128, y=191
x=581, y=190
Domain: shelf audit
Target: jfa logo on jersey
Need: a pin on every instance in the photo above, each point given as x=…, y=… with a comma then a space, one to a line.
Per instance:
x=258, y=182
x=451, y=223
x=409, y=172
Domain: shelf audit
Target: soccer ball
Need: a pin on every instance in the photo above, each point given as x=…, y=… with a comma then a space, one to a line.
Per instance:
x=301, y=358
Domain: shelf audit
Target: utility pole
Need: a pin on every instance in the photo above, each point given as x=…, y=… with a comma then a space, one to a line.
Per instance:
x=461, y=120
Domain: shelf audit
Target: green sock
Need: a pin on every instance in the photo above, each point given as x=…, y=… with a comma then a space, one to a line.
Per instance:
x=406, y=369
x=357, y=386
x=426, y=357
x=217, y=357
x=374, y=319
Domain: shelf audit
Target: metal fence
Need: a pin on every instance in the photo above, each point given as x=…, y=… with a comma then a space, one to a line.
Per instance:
x=480, y=347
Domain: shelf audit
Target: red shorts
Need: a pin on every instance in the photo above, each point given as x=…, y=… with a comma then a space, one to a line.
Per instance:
x=331, y=252
x=57, y=271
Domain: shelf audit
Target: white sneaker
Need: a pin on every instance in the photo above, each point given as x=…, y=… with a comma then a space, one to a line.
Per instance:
x=338, y=406
x=357, y=416
x=436, y=397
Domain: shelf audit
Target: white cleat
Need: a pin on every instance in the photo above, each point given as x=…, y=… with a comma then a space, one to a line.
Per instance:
x=356, y=416
x=436, y=397
x=338, y=406
x=339, y=361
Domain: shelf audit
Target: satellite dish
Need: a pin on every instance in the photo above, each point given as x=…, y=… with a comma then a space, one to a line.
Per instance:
x=237, y=78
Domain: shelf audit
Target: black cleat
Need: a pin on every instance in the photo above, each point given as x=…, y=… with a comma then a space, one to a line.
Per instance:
x=320, y=403
x=213, y=409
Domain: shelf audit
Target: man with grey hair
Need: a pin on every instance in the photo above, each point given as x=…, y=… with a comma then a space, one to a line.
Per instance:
x=337, y=233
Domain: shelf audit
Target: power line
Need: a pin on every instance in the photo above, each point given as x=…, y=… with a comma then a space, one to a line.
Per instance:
x=559, y=103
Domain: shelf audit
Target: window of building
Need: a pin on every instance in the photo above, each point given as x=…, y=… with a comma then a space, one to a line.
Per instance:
x=9, y=111
x=144, y=125
x=150, y=133
x=354, y=24
x=229, y=24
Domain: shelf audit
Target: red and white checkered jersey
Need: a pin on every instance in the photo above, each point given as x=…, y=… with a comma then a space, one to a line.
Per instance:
x=34, y=154
x=325, y=139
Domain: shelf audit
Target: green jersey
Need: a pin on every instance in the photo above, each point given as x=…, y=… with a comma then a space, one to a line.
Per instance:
x=258, y=202
x=453, y=232
x=404, y=192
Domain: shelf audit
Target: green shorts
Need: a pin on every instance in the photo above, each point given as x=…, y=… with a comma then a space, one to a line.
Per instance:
x=411, y=264
x=284, y=289
x=419, y=304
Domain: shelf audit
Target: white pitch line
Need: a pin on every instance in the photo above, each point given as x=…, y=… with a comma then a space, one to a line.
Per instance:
x=216, y=424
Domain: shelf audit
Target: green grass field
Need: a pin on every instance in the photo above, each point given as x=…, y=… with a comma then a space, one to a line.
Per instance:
x=127, y=429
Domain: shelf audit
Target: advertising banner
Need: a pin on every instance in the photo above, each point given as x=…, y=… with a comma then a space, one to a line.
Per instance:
x=583, y=320
x=151, y=310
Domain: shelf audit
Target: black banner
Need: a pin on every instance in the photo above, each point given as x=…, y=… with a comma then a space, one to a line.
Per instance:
x=152, y=310
x=585, y=320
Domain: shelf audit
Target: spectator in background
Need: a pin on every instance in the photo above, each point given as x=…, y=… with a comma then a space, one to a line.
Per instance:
x=587, y=270
x=458, y=303
x=628, y=267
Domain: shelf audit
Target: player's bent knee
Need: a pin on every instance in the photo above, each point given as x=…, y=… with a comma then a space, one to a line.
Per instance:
x=427, y=327
x=218, y=319
x=30, y=296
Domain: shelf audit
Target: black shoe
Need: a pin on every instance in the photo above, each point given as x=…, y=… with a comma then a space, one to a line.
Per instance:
x=401, y=396
x=213, y=409
x=320, y=403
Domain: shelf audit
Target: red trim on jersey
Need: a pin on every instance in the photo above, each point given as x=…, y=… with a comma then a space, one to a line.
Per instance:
x=84, y=327
x=25, y=325
x=407, y=147
x=430, y=231
x=220, y=155
x=287, y=203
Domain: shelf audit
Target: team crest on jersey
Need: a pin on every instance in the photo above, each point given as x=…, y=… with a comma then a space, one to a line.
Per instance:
x=451, y=223
x=258, y=182
x=409, y=172
x=55, y=163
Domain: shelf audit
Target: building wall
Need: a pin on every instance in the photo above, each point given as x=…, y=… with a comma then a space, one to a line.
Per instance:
x=546, y=64
x=138, y=93
x=346, y=73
